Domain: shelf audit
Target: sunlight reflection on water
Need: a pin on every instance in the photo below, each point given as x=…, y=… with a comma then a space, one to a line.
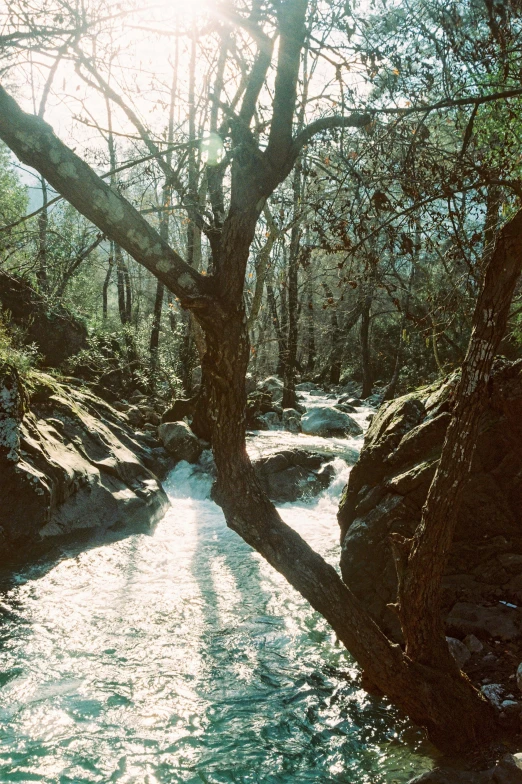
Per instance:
x=182, y=656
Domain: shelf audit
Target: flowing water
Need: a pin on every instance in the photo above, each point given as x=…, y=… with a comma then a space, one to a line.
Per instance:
x=181, y=656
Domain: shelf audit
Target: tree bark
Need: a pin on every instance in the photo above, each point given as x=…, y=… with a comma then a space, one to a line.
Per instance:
x=421, y=561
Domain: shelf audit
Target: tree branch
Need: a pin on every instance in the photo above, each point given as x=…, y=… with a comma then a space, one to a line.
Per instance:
x=35, y=143
x=355, y=120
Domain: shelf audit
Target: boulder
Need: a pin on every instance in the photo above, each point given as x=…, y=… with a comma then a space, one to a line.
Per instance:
x=271, y=421
x=273, y=387
x=350, y=401
x=259, y=403
x=179, y=409
x=387, y=489
x=292, y=420
x=250, y=384
x=135, y=416
x=497, y=621
x=180, y=442
x=305, y=386
x=69, y=464
x=293, y=474
x=324, y=421
x=345, y=408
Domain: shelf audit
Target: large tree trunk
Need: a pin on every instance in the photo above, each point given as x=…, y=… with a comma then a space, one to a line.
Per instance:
x=421, y=561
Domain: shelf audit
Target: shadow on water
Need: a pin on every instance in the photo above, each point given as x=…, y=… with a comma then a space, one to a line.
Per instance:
x=269, y=696
x=285, y=702
x=34, y=562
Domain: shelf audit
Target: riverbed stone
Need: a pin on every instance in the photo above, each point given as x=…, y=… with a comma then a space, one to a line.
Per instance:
x=180, y=442
x=345, y=408
x=327, y=422
x=272, y=386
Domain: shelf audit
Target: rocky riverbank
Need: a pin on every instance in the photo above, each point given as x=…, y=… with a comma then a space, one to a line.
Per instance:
x=482, y=588
x=70, y=464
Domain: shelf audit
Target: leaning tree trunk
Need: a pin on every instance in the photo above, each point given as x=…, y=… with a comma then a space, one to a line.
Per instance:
x=443, y=701
x=422, y=560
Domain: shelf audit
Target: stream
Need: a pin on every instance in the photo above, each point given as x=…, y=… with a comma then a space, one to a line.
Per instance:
x=180, y=656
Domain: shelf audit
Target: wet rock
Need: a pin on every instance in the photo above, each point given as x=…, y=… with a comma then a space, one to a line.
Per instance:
x=326, y=422
x=345, y=408
x=388, y=486
x=351, y=401
x=293, y=474
x=305, y=386
x=510, y=707
x=493, y=692
x=459, y=651
x=258, y=404
x=76, y=466
x=180, y=442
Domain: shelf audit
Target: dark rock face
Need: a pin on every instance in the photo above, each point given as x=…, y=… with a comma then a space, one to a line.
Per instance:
x=293, y=474
x=69, y=463
x=389, y=484
x=56, y=332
